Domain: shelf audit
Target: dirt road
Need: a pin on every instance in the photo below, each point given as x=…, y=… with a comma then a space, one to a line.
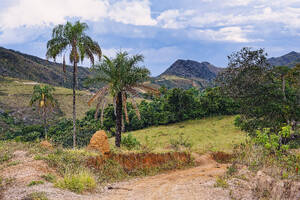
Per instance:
x=194, y=183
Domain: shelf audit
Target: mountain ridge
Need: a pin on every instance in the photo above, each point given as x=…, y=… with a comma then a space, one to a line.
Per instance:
x=24, y=66
x=182, y=73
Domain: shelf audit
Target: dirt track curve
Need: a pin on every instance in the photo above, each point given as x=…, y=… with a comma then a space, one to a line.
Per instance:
x=190, y=184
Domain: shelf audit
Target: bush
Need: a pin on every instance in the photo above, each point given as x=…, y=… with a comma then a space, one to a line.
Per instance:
x=68, y=160
x=32, y=136
x=49, y=177
x=180, y=142
x=272, y=141
x=130, y=142
x=36, y=196
x=221, y=182
x=78, y=182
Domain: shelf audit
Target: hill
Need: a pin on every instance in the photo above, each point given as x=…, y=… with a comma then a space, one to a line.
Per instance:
x=192, y=69
x=15, y=95
x=186, y=74
x=290, y=59
x=208, y=134
x=23, y=66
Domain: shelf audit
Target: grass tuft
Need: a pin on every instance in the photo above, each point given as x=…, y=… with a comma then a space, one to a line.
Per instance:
x=49, y=177
x=221, y=182
x=78, y=182
x=36, y=196
x=32, y=183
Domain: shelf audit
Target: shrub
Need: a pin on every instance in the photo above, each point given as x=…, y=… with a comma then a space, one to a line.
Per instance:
x=78, y=182
x=32, y=183
x=36, y=196
x=221, y=182
x=180, y=142
x=49, y=177
x=272, y=141
x=32, y=136
x=130, y=142
x=68, y=160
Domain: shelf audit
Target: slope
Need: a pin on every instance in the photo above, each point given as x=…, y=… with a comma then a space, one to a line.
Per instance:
x=18, y=65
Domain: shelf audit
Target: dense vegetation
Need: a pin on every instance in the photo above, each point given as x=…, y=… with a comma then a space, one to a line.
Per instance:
x=269, y=96
x=171, y=106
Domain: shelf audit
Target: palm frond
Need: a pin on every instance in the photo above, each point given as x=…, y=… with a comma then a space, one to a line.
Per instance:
x=102, y=111
x=103, y=91
x=137, y=111
x=148, y=88
x=97, y=109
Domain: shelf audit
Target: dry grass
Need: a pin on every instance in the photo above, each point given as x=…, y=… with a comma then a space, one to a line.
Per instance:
x=209, y=134
x=15, y=93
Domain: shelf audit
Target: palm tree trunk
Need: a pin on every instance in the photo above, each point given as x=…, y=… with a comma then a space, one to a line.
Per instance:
x=74, y=104
x=118, y=119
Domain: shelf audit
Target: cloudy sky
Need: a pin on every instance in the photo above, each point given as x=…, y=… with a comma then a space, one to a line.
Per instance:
x=162, y=30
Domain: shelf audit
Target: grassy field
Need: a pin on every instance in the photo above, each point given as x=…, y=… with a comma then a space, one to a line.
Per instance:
x=209, y=134
x=15, y=93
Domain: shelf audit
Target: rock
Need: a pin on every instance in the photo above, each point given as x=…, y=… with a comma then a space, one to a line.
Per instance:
x=295, y=191
x=99, y=142
x=45, y=144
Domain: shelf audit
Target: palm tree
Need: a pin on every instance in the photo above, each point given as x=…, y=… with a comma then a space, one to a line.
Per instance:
x=123, y=79
x=72, y=37
x=43, y=97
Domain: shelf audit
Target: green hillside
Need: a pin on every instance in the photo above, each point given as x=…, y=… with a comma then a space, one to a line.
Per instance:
x=208, y=134
x=23, y=66
x=15, y=95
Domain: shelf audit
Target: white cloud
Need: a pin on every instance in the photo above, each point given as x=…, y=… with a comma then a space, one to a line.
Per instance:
x=49, y=12
x=132, y=12
x=19, y=35
x=229, y=34
x=174, y=19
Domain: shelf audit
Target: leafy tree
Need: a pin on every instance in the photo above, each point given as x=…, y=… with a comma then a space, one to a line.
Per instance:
x=73, y=37
x=43, y=98
x=180, y=103
x=123, y=77
x=264, y=93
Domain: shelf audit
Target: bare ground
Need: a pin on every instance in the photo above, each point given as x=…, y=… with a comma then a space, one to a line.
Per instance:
x=193, y=183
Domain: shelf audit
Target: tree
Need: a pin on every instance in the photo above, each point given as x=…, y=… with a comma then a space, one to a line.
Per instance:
x=265, y=99
x=73, y=37
x=123, y=77
x=43, y=97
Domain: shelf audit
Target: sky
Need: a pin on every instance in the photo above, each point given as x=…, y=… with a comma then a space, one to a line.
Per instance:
x=162, y=30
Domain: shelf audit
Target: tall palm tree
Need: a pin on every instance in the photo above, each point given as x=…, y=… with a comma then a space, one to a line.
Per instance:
x=43, y=97
x=72, y=37
x=123, y=79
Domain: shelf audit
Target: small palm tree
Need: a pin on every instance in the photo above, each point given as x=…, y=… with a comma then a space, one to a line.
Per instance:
x=43, y=98
x=123, y=79
x=72, y=37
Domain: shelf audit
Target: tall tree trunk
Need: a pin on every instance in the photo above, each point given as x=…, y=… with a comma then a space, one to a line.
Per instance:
x=74, y=104
x=45, y=123
x=118, y=119
x=283, y=88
